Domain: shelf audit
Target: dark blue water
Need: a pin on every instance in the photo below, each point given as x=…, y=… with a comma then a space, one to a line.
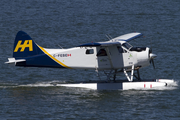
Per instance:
x=72, y=22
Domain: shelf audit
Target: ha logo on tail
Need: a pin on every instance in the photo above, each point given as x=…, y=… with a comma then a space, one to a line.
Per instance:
x=27, y=44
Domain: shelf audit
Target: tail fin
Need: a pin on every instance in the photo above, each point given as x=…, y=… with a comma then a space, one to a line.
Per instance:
x=24, y=46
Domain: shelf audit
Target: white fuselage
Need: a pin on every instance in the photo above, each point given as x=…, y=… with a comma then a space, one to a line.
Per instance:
x=94, y=58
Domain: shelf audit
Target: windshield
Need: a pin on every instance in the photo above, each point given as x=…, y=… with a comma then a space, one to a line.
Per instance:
x=127, y=45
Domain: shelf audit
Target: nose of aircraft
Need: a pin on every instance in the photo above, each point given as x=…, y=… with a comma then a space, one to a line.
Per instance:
x=152, y=56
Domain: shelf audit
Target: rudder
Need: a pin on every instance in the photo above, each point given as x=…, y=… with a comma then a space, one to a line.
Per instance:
x=24, y=46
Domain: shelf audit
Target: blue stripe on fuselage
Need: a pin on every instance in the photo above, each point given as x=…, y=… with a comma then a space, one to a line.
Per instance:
x=41, y=60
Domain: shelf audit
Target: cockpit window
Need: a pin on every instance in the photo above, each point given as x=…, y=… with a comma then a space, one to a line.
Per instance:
x=102, y=52
x=90, y=51
x=127, y=46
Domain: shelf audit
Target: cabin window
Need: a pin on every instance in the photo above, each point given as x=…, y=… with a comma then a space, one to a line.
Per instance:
x=102, y=52
x=90, y=51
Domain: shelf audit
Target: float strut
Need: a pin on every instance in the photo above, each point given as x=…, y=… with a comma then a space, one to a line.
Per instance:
x=114, y=78
x=138, y=74
x=132, y=72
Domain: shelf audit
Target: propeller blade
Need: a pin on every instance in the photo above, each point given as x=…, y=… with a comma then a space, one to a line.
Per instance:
x=152, y=56
x=153, y=63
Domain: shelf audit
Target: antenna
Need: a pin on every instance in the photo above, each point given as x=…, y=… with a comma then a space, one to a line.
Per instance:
x=108, y=36
x=60, y=46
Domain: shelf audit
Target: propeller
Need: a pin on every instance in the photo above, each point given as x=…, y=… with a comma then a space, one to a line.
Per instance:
x=152, y=56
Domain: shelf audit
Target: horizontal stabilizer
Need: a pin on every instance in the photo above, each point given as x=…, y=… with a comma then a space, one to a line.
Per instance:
x=13, y=60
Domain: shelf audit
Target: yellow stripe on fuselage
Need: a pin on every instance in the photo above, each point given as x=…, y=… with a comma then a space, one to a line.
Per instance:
x=53, y=57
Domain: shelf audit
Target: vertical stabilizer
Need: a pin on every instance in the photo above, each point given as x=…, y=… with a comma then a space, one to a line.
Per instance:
x=24, y=46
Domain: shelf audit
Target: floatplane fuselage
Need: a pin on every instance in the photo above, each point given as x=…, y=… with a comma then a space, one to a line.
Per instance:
x=115, y=55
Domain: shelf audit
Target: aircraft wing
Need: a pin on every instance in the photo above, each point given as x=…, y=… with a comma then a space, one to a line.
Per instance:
x=115, y=41
x=127, y=37
x=109, y=43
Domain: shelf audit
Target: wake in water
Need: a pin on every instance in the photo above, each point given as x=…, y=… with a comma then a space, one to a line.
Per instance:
x=56, y=83
x=38, y=84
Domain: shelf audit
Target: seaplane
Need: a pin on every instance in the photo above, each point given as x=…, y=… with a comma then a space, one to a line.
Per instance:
x=114, y=56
